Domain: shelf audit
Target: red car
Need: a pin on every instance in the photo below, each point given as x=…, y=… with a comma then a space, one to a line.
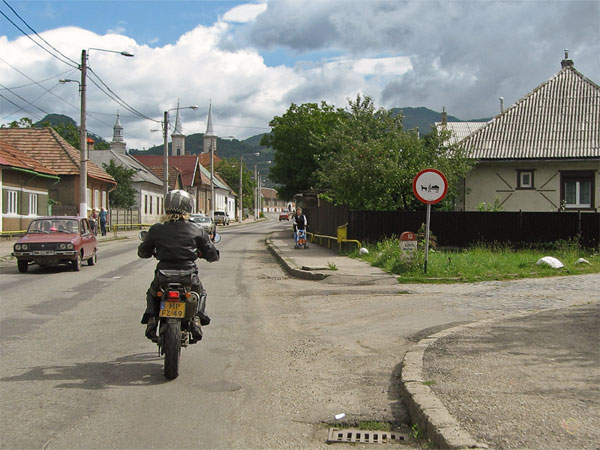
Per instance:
x=56, y=240
x=284, y=216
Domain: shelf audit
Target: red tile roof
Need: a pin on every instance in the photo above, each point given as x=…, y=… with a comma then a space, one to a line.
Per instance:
x=174, y=173
x=186, y=164
x=12, y=157
x=47, y=147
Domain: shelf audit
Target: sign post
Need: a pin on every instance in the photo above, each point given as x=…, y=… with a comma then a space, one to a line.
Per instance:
x=429, y=186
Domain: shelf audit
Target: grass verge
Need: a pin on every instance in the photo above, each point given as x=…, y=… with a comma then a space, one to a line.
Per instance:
x=481, y=263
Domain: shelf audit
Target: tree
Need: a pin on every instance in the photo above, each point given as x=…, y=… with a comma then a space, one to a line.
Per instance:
x=24, y=122
x=124, y=195
x=229, y=170
x=295, y=137
x=373, y=160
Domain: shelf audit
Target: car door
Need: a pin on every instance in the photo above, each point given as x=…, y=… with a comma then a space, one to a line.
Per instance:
x=87, y=239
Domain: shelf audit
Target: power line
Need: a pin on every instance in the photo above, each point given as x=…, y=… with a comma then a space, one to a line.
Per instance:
x=36, y=33
x=34, y=82
x=37, y=43
x=118, y=99
x=21, y=108
x=25, y=100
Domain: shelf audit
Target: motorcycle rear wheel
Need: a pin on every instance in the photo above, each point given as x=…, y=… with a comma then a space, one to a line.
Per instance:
x=172, y=348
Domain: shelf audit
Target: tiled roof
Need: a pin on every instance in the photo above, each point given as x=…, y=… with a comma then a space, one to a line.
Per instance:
x=47, y=147
x=460, y=130
x=12, y=157
x=204, y=159
x=268, y=193
x=142, y=173
x=174, y=173
x=185, y=163
x=559, y=119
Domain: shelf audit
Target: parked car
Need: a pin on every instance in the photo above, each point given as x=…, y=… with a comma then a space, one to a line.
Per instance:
x=221, y=218
x=204, y=221
x=56, y=240
x=284, y=216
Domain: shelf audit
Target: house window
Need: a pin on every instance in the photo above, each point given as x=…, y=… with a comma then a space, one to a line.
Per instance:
x=151, y=202
x=88, y=199
x=577, y=189
x=33, y=204
x=104, y=205
x=525, y=179
x=96, y=199
x=11, y=202
x=145, y=204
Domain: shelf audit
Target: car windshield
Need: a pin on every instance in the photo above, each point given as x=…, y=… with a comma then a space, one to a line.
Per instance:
x=54, y=226
x=200, y=219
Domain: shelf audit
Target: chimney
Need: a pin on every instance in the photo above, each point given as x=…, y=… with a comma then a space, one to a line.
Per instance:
x=501, y=105
x=444, y=116
x=90, y=144
x=566, y=62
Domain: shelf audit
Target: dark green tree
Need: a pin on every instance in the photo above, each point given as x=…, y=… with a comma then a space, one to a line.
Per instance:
x=373, y=160
x=24, y=122
x=229, y=170
x=297, y=140
x=124, y=195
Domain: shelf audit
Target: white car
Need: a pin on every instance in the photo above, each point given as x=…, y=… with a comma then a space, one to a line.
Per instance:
x=221, y=218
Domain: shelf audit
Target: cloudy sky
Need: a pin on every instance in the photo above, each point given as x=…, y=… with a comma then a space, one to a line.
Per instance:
x=253, y=59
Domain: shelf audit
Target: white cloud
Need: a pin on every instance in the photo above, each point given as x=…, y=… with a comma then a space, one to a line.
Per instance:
x=245, y=13
x=118, y=29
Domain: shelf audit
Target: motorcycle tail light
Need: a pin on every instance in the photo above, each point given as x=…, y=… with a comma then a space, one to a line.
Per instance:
x=173, y=294
x=159, y=294
x=188, y=295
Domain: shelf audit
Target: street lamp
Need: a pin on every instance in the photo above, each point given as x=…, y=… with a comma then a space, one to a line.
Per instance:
x=166, y=145
x=257, y=192
x=83, y=131
x=240, y=204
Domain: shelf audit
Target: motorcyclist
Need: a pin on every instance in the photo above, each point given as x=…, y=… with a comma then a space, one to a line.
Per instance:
x=176, y=243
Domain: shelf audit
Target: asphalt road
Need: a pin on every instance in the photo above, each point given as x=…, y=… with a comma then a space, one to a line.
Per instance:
x=76, y=371
x=280, y=359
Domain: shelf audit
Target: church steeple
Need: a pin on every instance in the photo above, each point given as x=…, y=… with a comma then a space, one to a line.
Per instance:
x=118, y=142
x=210, y=138
x=178, y=138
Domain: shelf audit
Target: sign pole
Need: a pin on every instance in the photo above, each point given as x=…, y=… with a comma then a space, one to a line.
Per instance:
x=429, y=186
x=427, y=235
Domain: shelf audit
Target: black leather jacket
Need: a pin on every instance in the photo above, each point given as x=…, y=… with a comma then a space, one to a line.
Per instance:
x=176, y=244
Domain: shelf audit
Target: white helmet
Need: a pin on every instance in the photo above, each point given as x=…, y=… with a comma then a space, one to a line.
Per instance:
x=179, y=202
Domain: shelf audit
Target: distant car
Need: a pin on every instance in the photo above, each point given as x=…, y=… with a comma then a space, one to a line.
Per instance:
x=284, y=216
x=56, y=240
x=221, y=218
x=205, y=222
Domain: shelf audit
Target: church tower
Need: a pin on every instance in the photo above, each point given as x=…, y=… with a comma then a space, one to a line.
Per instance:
x=118, y=143
x=178, y=138
x=210, y=138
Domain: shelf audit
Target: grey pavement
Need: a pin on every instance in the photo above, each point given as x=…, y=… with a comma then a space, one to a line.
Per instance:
x=524, y=381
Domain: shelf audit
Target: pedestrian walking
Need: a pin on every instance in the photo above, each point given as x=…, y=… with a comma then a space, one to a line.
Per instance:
x=93, y=221
x=103, y=216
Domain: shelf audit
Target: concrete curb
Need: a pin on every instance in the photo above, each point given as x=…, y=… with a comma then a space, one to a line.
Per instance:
x=290, y=267
x=425, y=408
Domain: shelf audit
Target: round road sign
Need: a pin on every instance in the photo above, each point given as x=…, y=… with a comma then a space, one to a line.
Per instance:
x=430, y=186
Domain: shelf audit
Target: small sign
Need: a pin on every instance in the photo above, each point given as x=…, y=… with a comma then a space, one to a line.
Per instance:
x=408, y=242
x=430, y=186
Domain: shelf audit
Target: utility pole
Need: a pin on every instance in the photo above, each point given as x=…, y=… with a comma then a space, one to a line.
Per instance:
x=256, y=192
x=212, y=181
x=83, y=141
x=166, y=153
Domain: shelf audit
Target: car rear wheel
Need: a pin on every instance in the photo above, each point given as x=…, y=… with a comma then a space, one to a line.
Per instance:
x=77, y=263
x=23, y=266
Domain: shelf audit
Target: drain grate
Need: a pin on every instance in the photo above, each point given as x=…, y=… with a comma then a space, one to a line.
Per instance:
x=364, y=436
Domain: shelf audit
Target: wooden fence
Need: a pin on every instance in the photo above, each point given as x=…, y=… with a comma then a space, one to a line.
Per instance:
x=461, y=229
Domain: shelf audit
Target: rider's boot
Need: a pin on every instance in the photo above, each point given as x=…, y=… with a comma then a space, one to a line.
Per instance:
x=195, y=330
x=151, y=329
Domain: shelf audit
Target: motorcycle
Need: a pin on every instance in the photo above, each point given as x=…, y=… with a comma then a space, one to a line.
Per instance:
x=178, y=306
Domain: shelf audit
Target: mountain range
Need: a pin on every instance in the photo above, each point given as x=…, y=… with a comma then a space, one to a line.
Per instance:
x=420, y=117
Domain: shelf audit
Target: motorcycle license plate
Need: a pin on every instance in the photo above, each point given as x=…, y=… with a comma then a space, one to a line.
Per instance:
x=172, y=309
